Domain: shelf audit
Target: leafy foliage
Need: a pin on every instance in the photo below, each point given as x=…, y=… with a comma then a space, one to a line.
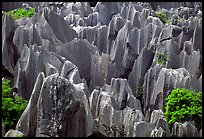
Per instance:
x=20, y=13
x=182, y=104
x=162, y=16
x=181, y=20
x=21, y=135
x=162, y=58
x=12, y=108
x=139, y=91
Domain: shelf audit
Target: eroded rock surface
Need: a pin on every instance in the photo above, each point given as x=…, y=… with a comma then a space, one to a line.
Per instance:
x=103, y=69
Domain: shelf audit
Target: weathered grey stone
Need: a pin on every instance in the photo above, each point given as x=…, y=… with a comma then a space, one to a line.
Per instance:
x=156, y=114
x=72, y=19
x=136, y=20
x=88, y=33
x=70, y=72
x=60, y=28
x=91, y=20
x=73, y=12
x=136, y=76
x=184, y=130
x=189, y=130
x=158, y=132
x=128, y=12
x=162, y=123
x=149, y=81
x=81, y=8
x=83, y=49
x=34, y=60
x=157, y=117
x=97, y=77
x=155, y=21
x=101, y=39
x=177, y=130
x=108, y=68
x=33, y=121
x=161, y=86
x=96, y=35
x=106, y=10
x=116, y=23
x=118, y=105
x=188, y=47
x=14, y=133
x=10, y=53
x=7, y=6
x=26, y=35
x=200, y=132
x=24, y=21
x=72, y=107
x=127, y=61
x=197, y=36
x=142, y=129
x=177, y=4
x=28, y=121
x=186, y=61
x=117, y=51
x=3, y=129
x=80, y=53
x=93, y=101
x=42, y=28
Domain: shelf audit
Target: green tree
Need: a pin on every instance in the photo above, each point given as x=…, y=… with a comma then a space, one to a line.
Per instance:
x=12, y=107
x=183, y=104
x=20, y=13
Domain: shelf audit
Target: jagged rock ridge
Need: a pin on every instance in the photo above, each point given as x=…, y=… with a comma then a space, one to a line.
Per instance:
x=84, y=65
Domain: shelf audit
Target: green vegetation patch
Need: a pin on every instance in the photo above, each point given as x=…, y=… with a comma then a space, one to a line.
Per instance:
x=162, y=58
x=139, y=91
x=20, y=13
x=183, y=105
x=162, y=16
x=12, y=107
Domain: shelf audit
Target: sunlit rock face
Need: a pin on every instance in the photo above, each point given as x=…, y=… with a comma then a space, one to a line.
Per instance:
x=102, y=68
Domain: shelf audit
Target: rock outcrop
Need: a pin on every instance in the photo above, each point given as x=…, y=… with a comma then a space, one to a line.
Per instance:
x=184, y=130
x=55, y=100
x=14, y=133
x=3, y=129
x=115, y=109
x=103, y=69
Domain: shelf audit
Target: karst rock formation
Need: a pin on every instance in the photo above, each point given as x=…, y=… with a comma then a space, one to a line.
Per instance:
x=80, y=64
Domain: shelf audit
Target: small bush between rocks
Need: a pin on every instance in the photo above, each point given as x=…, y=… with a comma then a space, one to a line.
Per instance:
x=12, y=107
x=162, y=16
x=20, y=13
x=162, y=58
x=139, y=91
x=184, y=105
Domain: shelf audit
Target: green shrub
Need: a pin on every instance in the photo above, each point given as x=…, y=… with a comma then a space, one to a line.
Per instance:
x=181, y=20
x=139, y=91
x=21, y=135
x=162, y=16
x=183, y=104
x=162, y=58
x=12, y=108
x=20, y=13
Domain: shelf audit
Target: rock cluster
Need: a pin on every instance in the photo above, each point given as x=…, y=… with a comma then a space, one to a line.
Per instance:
x=95, y=71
